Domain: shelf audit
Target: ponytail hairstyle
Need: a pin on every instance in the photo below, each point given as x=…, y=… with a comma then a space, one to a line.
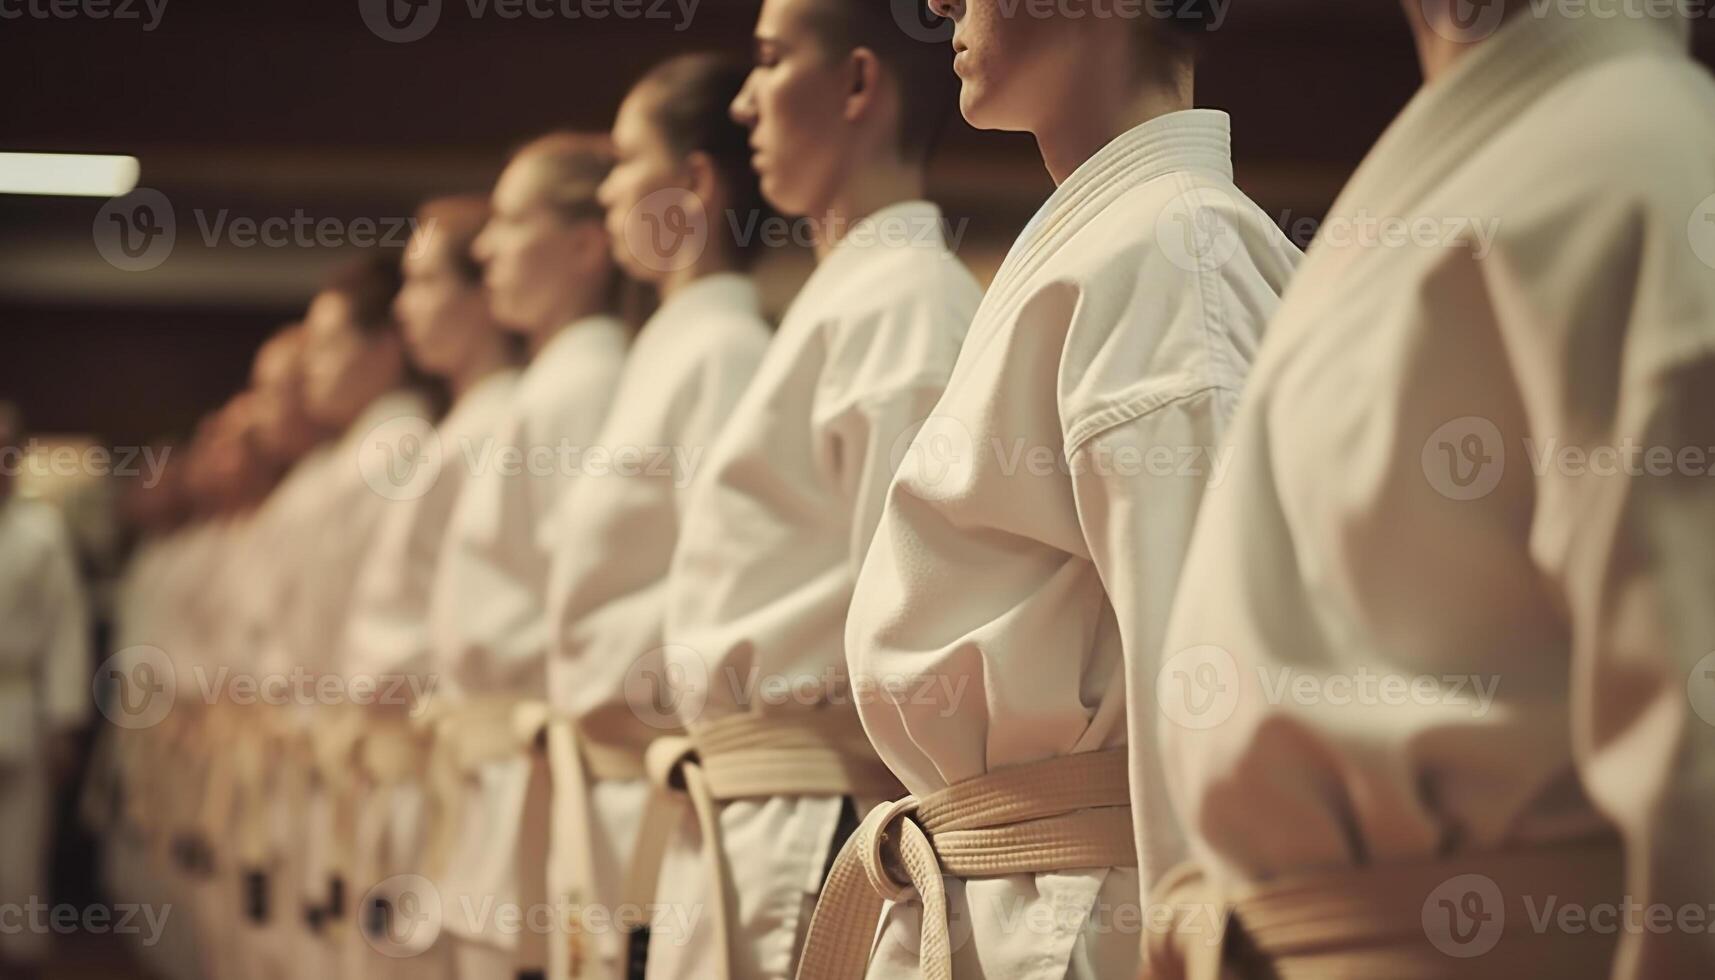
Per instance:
x=370, y=284
x=693, y=94
x=576, y=164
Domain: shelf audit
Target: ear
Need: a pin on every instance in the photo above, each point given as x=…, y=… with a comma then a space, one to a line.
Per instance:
x=593, y=246
x=865, y=75
x=704, y=179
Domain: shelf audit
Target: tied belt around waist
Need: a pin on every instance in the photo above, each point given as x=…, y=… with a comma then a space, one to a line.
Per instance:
x=464, y=738
x=1470, y=917
x=575, y=760
x=392, y=752
x=476, y=733
x=1057, y=814
x=742, y=757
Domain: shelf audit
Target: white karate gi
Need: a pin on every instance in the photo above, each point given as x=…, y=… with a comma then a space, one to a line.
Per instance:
x=1433, y=612
x=276, y=561
x=134, y=871
x=613, y=539
x=779, y=519
x=345, y=510
x=44, y=691
x=1031, y=542
x=488, y=608
x=388, y=641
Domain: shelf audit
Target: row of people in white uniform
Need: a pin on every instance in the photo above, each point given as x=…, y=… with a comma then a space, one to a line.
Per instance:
x=659, y=702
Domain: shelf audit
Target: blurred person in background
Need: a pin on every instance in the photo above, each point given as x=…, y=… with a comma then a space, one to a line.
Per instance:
x=450, y=334
x=548, y=269
x=44, y=691
x=843, y=109
x=233, y=473
x=159, y=515
x=677, y=202
x=357, y=383
x=269, y=561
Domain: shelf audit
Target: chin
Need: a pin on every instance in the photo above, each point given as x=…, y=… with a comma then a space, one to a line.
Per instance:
x=781, y=198
x=983, y=109
x=974, y=107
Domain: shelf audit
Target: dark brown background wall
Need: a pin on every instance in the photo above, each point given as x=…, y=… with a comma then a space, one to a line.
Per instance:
x=269, y=109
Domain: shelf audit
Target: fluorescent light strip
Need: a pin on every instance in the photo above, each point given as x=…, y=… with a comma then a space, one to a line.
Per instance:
x=69, y=174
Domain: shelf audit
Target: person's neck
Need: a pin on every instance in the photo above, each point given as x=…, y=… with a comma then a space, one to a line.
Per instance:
x=487, y=359
x=713, y=261
x=1439, y=46
x=575, y=308
x=380, y=390
x=1070, y=138
x=871, y=188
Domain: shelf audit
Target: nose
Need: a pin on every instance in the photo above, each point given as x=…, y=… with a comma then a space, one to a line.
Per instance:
x=481, y=249
x=743, y=108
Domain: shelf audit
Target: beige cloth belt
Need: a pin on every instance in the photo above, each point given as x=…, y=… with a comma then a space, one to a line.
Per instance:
x=476, y=733
x=464, y=738
x=393, y=751
x=575, y=760
x=266, y=756
x=745, y=757
x=1054, y=815
x=1470, y=917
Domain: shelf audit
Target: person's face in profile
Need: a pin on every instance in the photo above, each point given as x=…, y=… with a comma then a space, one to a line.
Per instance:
x=794, y=103
x=442, y=313
x=341, y=362
x=1014, y=66
x=531, y=253
x=647, y=180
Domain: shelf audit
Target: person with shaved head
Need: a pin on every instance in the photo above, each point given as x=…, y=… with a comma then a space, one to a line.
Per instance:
x=1119, y=329
x=842, y=109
